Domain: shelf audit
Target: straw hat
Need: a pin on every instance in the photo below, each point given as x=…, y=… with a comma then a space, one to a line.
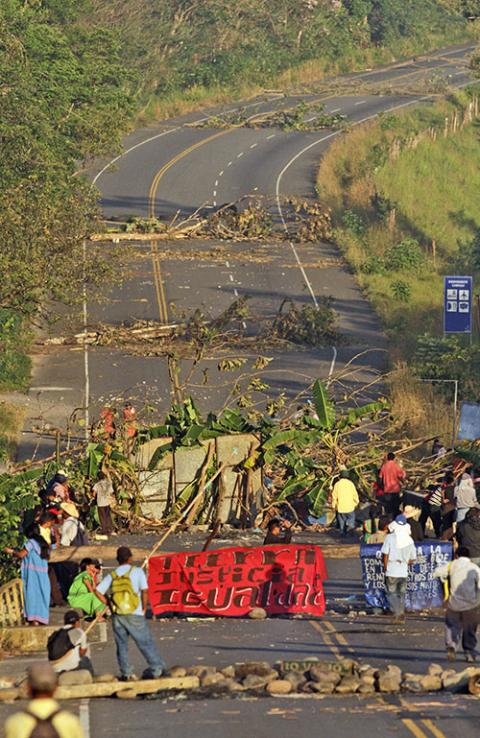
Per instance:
x=70, y=509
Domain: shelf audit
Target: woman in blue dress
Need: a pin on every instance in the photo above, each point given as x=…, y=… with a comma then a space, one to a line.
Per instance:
x=36, y=584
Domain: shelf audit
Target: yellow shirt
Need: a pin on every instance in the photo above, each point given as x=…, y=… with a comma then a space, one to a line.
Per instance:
x=344, y=496
x=46, y=534
x=21, y=725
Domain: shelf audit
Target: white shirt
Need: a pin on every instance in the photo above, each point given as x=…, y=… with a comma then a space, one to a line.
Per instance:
x=69, y=531
x=398, y=558
x=464, y=583
x=465, y=494
x=71, y=660
x=104, y=492
x=137, y=578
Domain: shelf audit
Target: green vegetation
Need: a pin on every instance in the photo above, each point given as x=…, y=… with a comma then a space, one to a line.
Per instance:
x=191, y=52
x=404, y=195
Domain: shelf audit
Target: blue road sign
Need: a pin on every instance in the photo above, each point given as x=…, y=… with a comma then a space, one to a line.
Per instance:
x=458, y=305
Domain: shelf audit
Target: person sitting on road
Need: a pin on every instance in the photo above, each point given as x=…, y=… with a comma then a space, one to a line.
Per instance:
x=68, y=649
x=43, y=713
x=83, y=591
x=278, y=531
x=382, y=532
x=345, y=501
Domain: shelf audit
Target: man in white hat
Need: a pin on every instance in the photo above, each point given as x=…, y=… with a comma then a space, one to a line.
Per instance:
x=412, y=514
x=399, y=553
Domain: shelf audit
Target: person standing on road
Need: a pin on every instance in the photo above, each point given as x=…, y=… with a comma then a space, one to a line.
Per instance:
x=392, y=476
x=345, y=502
x=43, y=714
x=468, y=534
x=399, y=553
x=103, y=491
x=34, y=571
x=463, y=608
x=129, y=601
x=465, y=496
x=432, y=509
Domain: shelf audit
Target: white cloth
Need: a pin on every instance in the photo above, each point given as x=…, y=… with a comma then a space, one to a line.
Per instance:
x=104, y=492
x=464, y=583
x=71, y=660
x=402, y=533
x=137, y=578
x=465, y=493
x=69, y=531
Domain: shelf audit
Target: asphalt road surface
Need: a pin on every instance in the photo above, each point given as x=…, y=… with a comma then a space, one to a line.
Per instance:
x=178, y=167
x=370, y=639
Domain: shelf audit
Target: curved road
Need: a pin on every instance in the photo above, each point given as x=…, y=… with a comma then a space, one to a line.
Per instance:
x=177, y=168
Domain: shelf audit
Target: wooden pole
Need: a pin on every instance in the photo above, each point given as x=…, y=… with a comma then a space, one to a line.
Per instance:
x=180, y=519
x=201, y=484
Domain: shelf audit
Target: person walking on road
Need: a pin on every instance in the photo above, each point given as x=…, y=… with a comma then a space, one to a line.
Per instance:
x=43, y=714
x=463, y=608
x=36, y=583
x=391, y=476
x=399, y=553
x=129, y=601
x=344, y=502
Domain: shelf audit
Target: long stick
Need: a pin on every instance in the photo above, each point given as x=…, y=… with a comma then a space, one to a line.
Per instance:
x=177, y=522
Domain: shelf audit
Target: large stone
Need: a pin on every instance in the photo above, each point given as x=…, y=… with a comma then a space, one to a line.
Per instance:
x=390, y=679
x=127, y=694
x=435, y=669
x=212, y=680
x=348, y=685
x=431, y=683
x=366, y=688
x=279, y=686
x=319, y=687
x=412, y=682
x=458, y=681
x=258, y=613
x=228, y=671
x=177, y=671
x=71, y=678
x=368, y=679
x=319, y=671
x=200, y=671
x=232, y=685
x=296, y=678
x=104, y=678
x=258, y=668
x=9, y=694
x=253, y=681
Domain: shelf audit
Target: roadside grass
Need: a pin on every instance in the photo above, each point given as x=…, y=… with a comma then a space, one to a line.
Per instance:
x=424, y=192
x=11, y=419
x=198, y=97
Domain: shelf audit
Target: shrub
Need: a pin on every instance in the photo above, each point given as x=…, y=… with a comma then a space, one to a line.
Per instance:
x=354, y=223
x=401, y=290
x=404, y=256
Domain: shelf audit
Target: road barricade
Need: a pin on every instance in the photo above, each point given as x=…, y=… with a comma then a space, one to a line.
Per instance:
x=424, y=592
x=282, y=579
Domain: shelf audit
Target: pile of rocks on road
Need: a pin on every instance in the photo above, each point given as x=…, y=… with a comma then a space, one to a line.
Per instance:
x=259, y=678
x=344, y=676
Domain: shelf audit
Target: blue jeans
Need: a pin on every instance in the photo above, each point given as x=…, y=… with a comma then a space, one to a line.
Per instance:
x=396, y=588
x=346, y=521
x=136, y=627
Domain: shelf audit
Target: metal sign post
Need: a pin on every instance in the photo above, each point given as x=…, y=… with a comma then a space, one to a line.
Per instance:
x=457, y=310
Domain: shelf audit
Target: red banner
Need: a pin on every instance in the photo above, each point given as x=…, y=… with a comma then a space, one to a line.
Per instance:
x=232, y=581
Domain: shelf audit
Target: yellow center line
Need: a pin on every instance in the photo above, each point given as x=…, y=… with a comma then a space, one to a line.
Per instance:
x=340, y=638
x=328, y=641
x=414, y=728
x=433, y=728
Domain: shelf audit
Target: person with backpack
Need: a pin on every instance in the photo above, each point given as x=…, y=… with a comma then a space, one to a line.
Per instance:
x=73, y=530
x=34, y=571
x=129, y=601
x=43, y=716
x=67, y=647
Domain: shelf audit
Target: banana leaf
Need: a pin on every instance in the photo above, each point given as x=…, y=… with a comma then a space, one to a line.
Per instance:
x=323, y=405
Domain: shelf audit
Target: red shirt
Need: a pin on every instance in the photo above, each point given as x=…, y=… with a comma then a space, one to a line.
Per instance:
x=391, y=474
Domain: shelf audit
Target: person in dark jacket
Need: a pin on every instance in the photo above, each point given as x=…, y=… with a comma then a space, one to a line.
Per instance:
x=468, y=534
x=278, y=531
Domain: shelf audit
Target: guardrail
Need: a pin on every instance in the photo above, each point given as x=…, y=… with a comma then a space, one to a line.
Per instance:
x=11, y=603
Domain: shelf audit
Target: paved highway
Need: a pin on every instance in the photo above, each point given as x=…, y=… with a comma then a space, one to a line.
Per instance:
x=178, y=167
